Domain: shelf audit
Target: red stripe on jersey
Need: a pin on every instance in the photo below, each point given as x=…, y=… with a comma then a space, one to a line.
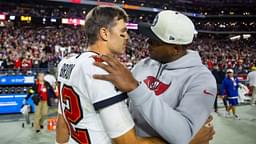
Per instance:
x=97, y=59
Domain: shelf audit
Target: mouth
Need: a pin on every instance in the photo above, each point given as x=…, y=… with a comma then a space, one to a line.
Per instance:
x=125, y=44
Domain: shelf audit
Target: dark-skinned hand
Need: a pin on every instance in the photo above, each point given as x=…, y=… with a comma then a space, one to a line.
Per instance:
x=205, y=134
x=119, y=75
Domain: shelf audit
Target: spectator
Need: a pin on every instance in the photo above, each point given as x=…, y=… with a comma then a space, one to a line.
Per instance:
x=230, y=86
x=252, y=83
x=42, y=93
x=219, y=76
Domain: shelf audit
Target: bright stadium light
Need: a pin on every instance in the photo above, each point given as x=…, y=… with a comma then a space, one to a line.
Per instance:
x=246, y=36
x=12, y=17
x=132, y=26
x=235, y=37
x=53, y=20
x=2, y=17
x=2, y=24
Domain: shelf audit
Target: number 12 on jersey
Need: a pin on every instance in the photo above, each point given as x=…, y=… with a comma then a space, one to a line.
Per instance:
x=74, y=114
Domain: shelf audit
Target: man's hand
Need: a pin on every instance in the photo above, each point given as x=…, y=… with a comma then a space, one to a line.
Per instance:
x=205, y=134
x=119, y=75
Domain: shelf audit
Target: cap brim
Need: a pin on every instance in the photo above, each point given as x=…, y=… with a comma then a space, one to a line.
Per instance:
x=144, y=28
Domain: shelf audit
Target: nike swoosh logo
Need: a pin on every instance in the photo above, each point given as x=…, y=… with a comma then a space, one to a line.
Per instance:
x=208, y=93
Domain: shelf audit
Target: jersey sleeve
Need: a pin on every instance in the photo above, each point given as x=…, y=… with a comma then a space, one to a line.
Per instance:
x=109, y=103
x=116, y=119
x=103, y=93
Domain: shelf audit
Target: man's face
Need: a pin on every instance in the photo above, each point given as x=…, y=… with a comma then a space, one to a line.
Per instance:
x=160, y=51
x=40, y=77
x=230, y=74
x=118, y=38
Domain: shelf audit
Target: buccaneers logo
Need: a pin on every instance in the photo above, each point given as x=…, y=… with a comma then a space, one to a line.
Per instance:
x=157, y=86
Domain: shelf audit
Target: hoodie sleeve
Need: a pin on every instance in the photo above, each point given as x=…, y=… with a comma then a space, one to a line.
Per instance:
x=178, y=125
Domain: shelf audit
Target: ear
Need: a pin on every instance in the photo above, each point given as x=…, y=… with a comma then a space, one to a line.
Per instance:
x=172, y=49
x=179, y=49
x=104, y=34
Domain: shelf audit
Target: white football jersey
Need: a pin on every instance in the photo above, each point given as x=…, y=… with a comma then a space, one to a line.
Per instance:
x=81, y=96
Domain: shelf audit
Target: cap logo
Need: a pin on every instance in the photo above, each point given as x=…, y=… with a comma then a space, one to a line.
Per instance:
x=171, y=38
x=155, y=21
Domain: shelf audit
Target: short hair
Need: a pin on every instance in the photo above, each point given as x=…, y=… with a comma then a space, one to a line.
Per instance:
x=40, y=73
x=102, y=16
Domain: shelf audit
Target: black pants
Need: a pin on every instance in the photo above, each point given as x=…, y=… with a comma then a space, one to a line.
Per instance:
x=216, y=99
x=216, y=103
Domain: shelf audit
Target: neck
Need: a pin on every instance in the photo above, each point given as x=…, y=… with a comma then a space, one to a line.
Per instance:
x=180, y=52
x=100, y=48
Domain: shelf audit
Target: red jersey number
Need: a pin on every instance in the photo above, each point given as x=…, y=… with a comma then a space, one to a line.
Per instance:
x=74, y=114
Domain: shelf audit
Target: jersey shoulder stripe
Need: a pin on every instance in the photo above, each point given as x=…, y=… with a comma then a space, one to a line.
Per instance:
x=110, y=101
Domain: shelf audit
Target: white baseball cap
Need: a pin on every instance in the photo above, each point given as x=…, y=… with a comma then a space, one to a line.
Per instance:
x=170, y=27
x=230, y=71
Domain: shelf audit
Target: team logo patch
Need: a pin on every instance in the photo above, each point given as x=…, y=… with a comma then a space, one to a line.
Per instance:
x=156, y=85
x=171, y=38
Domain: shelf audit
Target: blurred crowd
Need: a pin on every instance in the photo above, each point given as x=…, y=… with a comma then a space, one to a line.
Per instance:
x=43, y=47
x=42, y=10
x=238, y=55
x=216, y=21
x=220, y=25
x=25, y=48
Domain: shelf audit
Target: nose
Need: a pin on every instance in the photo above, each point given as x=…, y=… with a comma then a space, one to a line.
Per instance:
x=128, y=36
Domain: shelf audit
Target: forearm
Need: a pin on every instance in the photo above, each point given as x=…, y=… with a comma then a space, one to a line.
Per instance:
x=62, y=132
x=131, y=138
x=151, y=140
x=177, y=125
x=61, y=136
x=173, y=127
